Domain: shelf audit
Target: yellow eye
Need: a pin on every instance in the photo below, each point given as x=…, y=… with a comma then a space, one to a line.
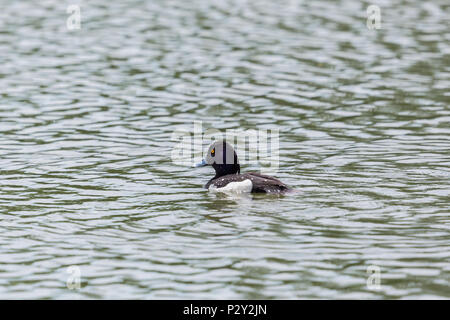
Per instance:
x=213, y=151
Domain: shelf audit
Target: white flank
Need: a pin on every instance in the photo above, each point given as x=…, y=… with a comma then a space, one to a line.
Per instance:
x=235, y=187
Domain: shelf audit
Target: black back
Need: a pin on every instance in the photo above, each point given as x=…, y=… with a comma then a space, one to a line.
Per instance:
x=261, y=183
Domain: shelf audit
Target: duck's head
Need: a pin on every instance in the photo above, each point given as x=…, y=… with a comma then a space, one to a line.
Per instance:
x=222, y=157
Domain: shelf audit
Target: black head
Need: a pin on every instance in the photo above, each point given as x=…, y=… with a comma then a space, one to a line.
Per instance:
x=222, y=157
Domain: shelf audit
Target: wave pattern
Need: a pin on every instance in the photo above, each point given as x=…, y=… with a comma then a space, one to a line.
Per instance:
x=86, y=119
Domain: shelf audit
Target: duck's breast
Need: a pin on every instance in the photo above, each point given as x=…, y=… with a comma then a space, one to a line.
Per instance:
x=230, y=183
x=244, y=186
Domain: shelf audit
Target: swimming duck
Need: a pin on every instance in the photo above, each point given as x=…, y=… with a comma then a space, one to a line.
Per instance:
x=222, y=157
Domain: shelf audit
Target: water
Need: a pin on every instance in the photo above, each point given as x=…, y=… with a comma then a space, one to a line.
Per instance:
x=86, y=120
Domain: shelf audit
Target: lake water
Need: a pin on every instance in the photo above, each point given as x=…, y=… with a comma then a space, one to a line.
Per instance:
x=89, y=190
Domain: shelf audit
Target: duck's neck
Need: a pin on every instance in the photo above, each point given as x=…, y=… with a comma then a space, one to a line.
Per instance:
x=224, y=169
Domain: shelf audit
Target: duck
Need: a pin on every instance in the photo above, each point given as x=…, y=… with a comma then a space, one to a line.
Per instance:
x=223, y=158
